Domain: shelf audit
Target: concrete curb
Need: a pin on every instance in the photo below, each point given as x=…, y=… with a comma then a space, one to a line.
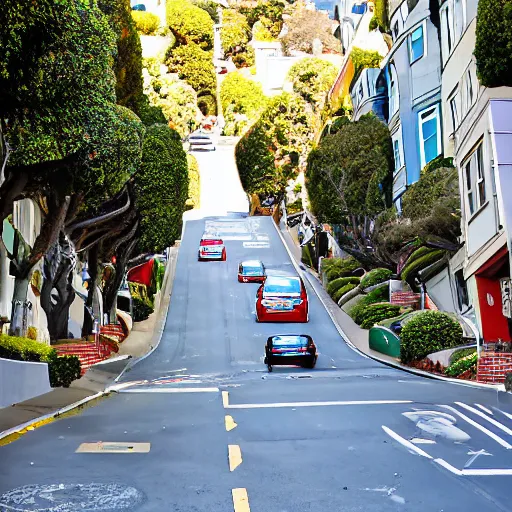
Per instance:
x=398, y=366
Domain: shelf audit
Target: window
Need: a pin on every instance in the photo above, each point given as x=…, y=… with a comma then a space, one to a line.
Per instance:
x=469, y=88
x=447, y=31
x=455, y=112
x=360, y=93
x=396, y=151
x=416, y=45
x=430, y=134
x=393, y=91
x=480, y=176
x=404, y=11
x=395, y=30
x=462, y=290
x=459, y=16
x=469, y=189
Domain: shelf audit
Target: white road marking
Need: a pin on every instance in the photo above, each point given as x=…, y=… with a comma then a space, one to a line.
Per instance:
x=316, y=404
x=488, y=411
x=506, y=414
x=405, y=442
x=438, y=424
x=417, y=440
x=473, y=472
x=170, y=390
x=225, y=399
x=485, y=417
x=474, y=456
x=486, y=431
x=449, y=467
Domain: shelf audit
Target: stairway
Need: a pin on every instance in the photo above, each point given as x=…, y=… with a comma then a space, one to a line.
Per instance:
x=87, y=352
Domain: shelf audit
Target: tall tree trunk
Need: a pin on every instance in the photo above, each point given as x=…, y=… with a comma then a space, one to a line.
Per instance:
x=20, y=306
x=92, y=261
x=57, y=293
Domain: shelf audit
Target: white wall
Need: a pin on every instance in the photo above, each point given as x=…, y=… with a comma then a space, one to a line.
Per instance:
x=20, y=381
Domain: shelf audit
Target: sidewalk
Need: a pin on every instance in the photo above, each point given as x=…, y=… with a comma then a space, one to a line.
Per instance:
x=144, y=337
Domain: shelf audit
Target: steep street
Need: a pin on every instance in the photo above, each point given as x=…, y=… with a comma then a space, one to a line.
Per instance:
x=219, y=433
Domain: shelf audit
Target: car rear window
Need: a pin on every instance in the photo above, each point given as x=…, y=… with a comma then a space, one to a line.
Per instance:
x=251, y=271
x=211, y=242
x=285, y=341
x=281, y=285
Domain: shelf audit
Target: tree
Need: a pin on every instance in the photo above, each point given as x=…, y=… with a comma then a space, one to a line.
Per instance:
x=128, y=61
x=349, y=178
x=244, y=94
x=304, y=26
x=312, y=78
x=493, y=47
x=190, y=24
x=273, y=149
x=162, y=188
x=195, y=66
x=235, y=31
x=271, y=10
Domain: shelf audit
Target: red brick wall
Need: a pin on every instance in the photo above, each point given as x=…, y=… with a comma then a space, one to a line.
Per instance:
x=493, y=367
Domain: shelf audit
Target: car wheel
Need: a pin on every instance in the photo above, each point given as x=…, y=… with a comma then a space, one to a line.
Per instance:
x=311, y=364
x=223, y=255
x=269, y=366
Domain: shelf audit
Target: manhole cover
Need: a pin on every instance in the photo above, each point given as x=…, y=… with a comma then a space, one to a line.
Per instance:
x=101, y=447
x=92, y=497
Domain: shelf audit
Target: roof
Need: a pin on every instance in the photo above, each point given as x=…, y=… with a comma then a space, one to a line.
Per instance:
x=251, y=263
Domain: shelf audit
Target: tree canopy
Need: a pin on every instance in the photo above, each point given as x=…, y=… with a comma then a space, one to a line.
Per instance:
x=235, y=31
x=190, y=24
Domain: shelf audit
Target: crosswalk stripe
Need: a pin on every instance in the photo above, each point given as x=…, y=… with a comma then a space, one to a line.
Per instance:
x=485, y=417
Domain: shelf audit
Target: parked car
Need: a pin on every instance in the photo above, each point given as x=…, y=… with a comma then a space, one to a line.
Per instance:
x=200, y=141
x=290, y=349
x=282, y=298
x=211, y=248
x=252, y=271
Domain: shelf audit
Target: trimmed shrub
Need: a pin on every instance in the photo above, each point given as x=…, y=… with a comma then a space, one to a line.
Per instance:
x=342, y=291
x=210, y=7
x=362, y=59
x=141, y=309
x=235, y=32
x=493, y=47
x=374, y=23
x=150, y=114
x=462, y=365
x=194, y=188
x=418, y=253
x=411, y=269
x=195, y=66
x=336, y=284
x=461, y=354
x=374, y=297
x=428, y=332
x=244, y=59
x=339, y=267
x=375, y=276
x=207, y=104
x=146, y=23
x=374, y=313
x=64, y=370
x=312, y=78
x=261, y=30
x=269, y=10
x=190, y=24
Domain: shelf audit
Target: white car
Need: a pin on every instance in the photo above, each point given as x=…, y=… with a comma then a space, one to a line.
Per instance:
x=200, y=141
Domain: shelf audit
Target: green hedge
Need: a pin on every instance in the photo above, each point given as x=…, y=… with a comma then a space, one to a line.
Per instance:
x=146, y=22
x=462, y=365
x=62, y=370
x=374, y=313
x=141, y=309
x=375, y=296
x=375, y=276
x=462, y=353
x=428, y=332
x=411, y=269
x=340, y=267
x=342, y=291
x=190, y=24
x=336, y=284
x=235, y=30
x=418, y=253
x=493, y=47
x=194, y=184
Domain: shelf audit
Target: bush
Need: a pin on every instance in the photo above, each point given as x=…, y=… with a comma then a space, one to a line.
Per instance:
x=462, y=365
x=64, y=370
x=194, y=186
x=312, y=78
x=210, y=7
x=195, y=66
x=269, y=10
x=261, y=30
x=146, y=22
x=190, y=24
x=362, y=59
x=235, y=31
x=428, y=332
x=207, y=104
x=342, y=291
x=374, y=313
x=374, y=23
x=141, y=309
x=375, y=276
x=244, y=59
x=150, y=114
x=303, y=27
x=411, y=269
x=494, y=52
x=381, y=14
x=336, y=284
x=374, y=297
x=340, y=267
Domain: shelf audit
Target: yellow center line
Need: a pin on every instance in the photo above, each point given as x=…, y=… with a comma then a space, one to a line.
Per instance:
x=240, y=500
x=234, y=456
x=225, y=399
x=230, y=422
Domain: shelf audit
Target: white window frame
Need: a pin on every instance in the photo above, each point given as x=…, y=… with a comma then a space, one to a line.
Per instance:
x=475, y=164
x=454, y=101
x=447, y=31
x=436, y=113
x=396, y=138
x=480, y=175
x=468, y=186
x=458, y=29
x=394, y=92
x=423, y=27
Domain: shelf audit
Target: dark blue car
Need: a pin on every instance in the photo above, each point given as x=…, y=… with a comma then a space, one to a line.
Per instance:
x=290, y=349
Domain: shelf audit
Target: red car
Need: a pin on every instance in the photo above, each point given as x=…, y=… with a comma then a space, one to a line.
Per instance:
x=282, y=299
x=251, y=272
x=211, y=248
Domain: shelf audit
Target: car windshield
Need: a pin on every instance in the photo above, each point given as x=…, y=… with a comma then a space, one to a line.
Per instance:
x=252, y=270
x=279, y=341
x=282, y=285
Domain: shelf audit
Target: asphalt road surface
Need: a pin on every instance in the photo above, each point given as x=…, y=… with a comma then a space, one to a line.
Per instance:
x=206, y=428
